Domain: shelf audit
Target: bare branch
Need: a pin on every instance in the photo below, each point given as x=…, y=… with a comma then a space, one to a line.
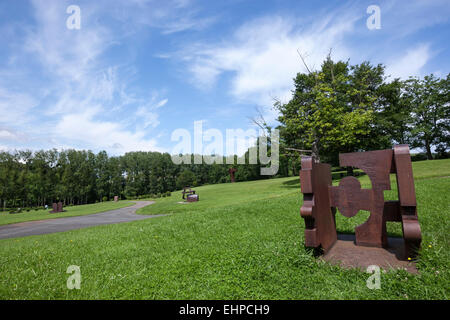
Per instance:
x=259, y=120
x=304, y=62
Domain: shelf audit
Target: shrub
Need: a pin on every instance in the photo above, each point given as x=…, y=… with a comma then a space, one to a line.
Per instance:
x=168, y=194
x=105, y=198
x=418, y=157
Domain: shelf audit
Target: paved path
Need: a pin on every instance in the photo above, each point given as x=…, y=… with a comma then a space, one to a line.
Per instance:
x=30, y=228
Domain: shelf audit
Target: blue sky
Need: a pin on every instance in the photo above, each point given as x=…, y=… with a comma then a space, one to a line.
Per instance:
x=137, y=70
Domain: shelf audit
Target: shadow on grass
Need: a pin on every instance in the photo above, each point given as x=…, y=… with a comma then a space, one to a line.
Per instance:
x=293, y=183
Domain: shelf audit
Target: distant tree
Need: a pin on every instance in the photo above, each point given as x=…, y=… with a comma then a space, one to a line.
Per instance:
x=103, y=175
x=186, y=179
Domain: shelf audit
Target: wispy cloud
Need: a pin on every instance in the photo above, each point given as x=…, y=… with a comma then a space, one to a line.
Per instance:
x=82, y=90
x=171, y=16
x=85, y=131
x=409, y=63
x=260, y=58
x=262, y=55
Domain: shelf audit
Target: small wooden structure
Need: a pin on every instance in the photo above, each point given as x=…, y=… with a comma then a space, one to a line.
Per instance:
x=321, y=200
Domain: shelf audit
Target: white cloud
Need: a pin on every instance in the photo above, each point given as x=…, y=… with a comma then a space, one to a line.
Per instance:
x=15, y=107
x=262, y=56
x=170, y=16
x=83, y=129
x=5, y=134
x=410, y=63
x=86, y=101
x=161, y=103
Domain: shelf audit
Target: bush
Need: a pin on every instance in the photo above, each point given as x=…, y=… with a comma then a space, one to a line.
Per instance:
x=418, y=157
x=105, y=198
x=168, y=194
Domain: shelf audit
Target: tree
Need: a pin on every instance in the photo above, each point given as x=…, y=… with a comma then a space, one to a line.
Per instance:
x=333, y=109
x=186, y=179
x=430, y=101
x=103, y=175
x=394, y=116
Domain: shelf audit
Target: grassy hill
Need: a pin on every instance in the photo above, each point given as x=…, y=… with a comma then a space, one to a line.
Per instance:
x=240, y=241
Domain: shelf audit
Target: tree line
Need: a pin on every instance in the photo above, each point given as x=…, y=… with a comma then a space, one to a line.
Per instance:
x=34, y=179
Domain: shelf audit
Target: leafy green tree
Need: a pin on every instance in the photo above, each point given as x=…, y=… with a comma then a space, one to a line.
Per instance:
x=430, y=101
x=394, y=116
x=103, y=175
x=333, y=109
x=186, y=179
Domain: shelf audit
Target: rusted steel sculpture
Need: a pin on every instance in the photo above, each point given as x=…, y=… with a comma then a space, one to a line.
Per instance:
x=231, y=171
x=192, y=198
x=57, y=207
x=187, y=191
x=321, y=199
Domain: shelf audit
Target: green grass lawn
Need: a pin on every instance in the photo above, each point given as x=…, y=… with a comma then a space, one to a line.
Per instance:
x=7, y=218
x=240, y=241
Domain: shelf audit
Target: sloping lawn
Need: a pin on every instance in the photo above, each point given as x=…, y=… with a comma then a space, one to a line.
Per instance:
x=240, y=241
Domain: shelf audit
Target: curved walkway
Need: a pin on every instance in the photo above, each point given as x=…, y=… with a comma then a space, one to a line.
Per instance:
x=31, y=228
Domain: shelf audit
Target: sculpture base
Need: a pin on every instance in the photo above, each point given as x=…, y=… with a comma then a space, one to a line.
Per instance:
x=348, y=255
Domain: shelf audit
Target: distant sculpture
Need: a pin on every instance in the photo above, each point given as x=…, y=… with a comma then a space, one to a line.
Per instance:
x=116, y=198
x=321, y=199
x=187, y=191
x=231, y=171
x=57, y=207
x=192, y=198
